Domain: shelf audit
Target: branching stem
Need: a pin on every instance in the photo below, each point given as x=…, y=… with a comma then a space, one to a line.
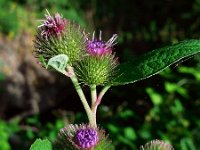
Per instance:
x=95, y=100
x=91, y=116
x=99, y=98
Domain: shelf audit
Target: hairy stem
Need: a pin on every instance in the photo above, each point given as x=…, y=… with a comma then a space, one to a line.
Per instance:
x=99, y=98
x=93, y=91
x=90, y=114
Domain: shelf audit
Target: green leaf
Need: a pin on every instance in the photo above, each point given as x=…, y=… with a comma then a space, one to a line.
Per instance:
x=155, y=61
x=41, y=145
x=187, y=144
x=155, y=97
x=129, y=133
x=192, y=71
x=174, y=87
x=58, y=62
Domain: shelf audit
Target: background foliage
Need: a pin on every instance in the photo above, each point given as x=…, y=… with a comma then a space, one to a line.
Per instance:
x=163, y=107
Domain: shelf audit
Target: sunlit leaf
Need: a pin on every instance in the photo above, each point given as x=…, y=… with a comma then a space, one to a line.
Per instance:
x=155, y=97
x=41, y=145
x=130, y=133
x=155, y=61
x=58, y=62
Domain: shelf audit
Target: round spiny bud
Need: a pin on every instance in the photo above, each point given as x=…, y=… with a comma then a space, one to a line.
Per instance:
x=59, y=36
x=81, y=137
x=157, y=145
x=97, y=70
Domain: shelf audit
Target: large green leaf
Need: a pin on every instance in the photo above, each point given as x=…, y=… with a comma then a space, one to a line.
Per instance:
x=41, y=145
x=155, y=61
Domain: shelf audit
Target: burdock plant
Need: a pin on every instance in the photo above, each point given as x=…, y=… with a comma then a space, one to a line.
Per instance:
x=90, y=60
x=157, y=145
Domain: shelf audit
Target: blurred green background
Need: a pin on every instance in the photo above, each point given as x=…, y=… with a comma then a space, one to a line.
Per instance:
x=37, y=103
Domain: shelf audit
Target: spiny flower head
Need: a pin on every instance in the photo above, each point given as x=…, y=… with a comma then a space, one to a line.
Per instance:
x=98, y=47
x=157, y=145
x=52, y=25
x=97, y=70
x=59, y=36
x=81, y=137
x=99, y=66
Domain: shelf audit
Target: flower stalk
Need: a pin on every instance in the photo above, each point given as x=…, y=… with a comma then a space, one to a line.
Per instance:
x=99, y=98
x=82, y=97
x=93, y=94
x=95, y=101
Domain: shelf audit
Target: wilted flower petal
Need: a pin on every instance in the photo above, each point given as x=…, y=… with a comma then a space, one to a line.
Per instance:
x=58, y=36
x=52, y=25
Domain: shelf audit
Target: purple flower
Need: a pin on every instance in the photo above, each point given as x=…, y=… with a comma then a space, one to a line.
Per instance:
x=81, y=137
x=52, y=25
x=86, y=138
x=97, y=47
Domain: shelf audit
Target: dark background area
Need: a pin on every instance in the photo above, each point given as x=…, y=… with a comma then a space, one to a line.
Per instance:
x=36, y=103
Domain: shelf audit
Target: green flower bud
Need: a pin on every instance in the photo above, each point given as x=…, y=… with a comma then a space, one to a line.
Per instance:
x=96, y=70
x=156, y=145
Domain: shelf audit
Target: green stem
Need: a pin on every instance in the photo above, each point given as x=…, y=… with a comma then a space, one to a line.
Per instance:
x=99, y=98
x=93, y=91
x=93, y=94
x=91, y=116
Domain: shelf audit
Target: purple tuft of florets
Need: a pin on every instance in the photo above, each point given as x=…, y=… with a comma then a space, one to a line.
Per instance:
x=99, y=47
x=81, y=137
x=52, y=25
x=86, y=138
